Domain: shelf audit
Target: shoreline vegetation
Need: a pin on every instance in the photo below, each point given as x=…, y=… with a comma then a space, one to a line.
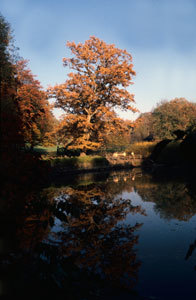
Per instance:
x=42, y=165
x=102, y=161
x=158, y=158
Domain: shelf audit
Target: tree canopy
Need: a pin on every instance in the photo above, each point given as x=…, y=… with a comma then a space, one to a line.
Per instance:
x=97, y=85
x=25, y=111
x=9, y=113
x=169, y=116
x=34, y=108
x=142, y=128
x=168, y=120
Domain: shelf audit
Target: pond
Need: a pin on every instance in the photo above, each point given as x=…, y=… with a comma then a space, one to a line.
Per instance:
x=117, y=235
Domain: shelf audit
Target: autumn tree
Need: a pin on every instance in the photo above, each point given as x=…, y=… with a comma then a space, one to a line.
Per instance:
x=9, y=117
x=97, y=86
x=117, y=137
x=169, y=116
x=25, y=111
x=5, y=64
x=142, y=128
x=114, y=132
x=33, y=105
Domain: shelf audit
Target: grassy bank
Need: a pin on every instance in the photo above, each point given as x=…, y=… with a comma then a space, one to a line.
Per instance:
x=141, y=148
x=94, y=162
x=45, y=150
x=74, y=163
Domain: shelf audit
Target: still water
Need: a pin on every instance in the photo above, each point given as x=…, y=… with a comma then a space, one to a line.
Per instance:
x=119, y=235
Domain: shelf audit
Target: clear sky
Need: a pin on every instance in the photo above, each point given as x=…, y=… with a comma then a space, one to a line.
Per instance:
x=160, y=35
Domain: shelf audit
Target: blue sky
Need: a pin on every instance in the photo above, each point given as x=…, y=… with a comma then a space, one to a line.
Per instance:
x=160, y=35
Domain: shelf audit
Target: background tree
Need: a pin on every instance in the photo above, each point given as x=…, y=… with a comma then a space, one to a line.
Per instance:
x=34, y=107
x=118, y=135
x=169, y=116
x=11, y=136
x=5, y=63
x=25, y=112
x=96, y=87
x=142, y=127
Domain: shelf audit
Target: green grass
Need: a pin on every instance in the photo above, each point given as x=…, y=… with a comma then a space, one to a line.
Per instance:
x=141, y=148
x=85, y=162
x=45, y=150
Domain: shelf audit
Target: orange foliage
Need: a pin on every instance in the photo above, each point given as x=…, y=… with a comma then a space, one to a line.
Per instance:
x=33, y=105
x=98, y=85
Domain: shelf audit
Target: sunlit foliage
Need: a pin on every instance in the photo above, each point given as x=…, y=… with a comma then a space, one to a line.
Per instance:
x=177, y=114
x=34, y=108
x=97, y=85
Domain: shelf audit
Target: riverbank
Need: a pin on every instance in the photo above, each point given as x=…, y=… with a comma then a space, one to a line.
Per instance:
x=84, y=164
x=64, y=166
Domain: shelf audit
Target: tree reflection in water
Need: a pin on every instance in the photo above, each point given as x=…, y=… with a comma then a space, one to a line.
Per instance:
x=87, y=255
x=173, y=199
x=97, y=241
x=190, y=251
x=71, y=240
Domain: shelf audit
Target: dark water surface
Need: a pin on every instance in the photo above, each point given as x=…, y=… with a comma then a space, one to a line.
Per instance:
x=120, y=235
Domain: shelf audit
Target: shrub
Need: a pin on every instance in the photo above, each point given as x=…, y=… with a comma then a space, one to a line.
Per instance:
x=171, y=154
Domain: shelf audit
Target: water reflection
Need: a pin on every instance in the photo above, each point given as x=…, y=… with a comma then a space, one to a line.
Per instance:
x=71, y=238
x=173, y=200
x=190, y=251
x=92, y=236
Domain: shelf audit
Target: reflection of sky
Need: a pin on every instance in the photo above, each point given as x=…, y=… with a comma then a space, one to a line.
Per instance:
x=160, y=35
x=162, y=248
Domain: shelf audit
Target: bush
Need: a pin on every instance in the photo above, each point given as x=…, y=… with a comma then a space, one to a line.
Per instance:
x=188, y=147
x=171, y=154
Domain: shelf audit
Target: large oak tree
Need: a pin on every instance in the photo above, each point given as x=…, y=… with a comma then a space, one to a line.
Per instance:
x=97, y=86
